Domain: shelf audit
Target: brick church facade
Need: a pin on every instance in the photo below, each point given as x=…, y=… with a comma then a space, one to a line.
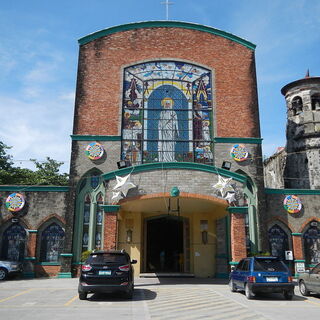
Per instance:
x=166, y=161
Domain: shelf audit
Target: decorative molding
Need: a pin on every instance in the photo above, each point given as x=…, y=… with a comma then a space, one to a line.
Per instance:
x=292, y=191
x=67, y=255
x=76, y=137
x=238, y=210
x=233, y=263
x=298, y=234
x=48, y=263
x=165, y=24
x=174, y=165
x=64, y=275
x=25, y=189
x=237, y=140
x=32, y=231
x=29, y=258
x=110, y=208
x=299, y=260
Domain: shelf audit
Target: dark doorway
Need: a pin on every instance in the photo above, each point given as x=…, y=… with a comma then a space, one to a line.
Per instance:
x=165, y=244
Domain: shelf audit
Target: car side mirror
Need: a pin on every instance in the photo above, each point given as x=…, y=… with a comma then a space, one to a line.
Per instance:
x=134, y=261
x=233, y=268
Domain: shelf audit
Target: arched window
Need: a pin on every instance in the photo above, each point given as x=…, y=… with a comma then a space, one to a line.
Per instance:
x=98, y=221
x=167, y=113
x=315, y=102
x=52, y=239
x=278, y=241
x=14, y=243
x=296, y=105
x=311, y=239
x=86, y=223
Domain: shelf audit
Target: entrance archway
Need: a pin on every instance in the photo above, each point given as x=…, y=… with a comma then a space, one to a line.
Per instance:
x=166, y=242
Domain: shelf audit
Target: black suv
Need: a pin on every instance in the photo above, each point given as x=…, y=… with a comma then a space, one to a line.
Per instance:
x=107, y=272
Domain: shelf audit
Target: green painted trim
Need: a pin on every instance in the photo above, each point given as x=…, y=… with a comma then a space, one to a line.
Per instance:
x=29, y=258
x=238, y=210
x=48, y=263
x=165, y=24
x=237, y=140
x=64, y=275
x=111, y=208
x=174, y=165
x=310, y=265
x=24, y=188
x=299, y=260
x=77, y=263
x=233, y=263
x=66, y=255
x=32, y=231
x=292, y=191
x=296, y=234
x=76, y=137
x=28, y=275
x=222, y=275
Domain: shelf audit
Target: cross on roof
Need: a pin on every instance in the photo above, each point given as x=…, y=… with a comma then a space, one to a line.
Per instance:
x=167, y=3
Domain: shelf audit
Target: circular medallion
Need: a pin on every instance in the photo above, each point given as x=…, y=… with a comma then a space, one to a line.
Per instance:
x=239, y=152
x=292, y=204
x=15, y=202
x=94, y=151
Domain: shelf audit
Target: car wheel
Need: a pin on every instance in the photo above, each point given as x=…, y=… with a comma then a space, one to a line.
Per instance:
x=232, y=286
x=248, y=292
x=82, y=295
x=288, y=295
x=303, y=288
x=3, y=273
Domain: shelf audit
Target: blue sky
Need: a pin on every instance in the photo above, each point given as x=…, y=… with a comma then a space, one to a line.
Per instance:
x=39, y=52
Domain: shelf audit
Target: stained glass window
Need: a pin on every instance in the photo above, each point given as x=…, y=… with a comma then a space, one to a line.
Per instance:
x=278, y=241
x=14, y=242
x=86, y=223
x=52, y=239
x=98, y=222
x=167, y=113
x=312, y=243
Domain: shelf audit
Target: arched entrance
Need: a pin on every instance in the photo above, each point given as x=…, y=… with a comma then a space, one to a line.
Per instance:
x=166, y=244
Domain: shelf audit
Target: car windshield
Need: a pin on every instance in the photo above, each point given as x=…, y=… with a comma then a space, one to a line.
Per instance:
x=269, y=265
x=107, y=258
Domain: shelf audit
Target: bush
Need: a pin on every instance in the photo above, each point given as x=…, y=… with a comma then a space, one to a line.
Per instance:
x=85, y=255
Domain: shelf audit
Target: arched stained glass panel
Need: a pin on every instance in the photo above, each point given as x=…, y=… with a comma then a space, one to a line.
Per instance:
x=167, y=113
x=312, y=243
x=52, y=239
x=14, y=241
x=278, y=241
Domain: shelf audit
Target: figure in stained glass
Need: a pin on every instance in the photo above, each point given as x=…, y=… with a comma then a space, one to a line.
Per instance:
x=168, y=131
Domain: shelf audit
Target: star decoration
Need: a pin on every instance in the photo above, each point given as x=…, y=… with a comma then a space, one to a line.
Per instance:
x=230, y=197
x=223, y=185
x=123, y=185
x=116, y=196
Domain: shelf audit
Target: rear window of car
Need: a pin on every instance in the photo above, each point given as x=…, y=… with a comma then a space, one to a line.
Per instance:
x=269, y=265
x=107, y=258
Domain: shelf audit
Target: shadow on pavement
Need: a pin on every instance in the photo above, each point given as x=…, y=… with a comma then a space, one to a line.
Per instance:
x=139, y=295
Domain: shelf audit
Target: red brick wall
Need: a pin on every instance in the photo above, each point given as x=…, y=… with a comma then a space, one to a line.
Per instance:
x=110, y=231
x=46, y=271
x=101, y=62
x=297, y=247
x=238, y=237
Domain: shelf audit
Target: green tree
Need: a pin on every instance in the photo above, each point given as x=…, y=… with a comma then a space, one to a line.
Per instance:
x=48, y=172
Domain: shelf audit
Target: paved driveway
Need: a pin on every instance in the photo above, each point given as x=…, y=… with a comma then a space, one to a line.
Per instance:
x=153, y=299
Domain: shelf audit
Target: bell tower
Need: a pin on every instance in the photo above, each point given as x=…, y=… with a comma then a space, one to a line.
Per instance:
x=302, y=168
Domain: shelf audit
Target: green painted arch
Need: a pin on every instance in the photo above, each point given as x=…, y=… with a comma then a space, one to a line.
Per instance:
x=174, y=165
x=165, y=24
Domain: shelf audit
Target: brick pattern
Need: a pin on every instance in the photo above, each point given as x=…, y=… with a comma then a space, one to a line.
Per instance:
x=31, y=245
x=100, y=75
x=238, y=237
x=110, y=231
x=47, y=271
x=297, y=247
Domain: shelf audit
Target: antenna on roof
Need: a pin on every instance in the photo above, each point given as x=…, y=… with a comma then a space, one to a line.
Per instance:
x=307, y=74
x=167, y=3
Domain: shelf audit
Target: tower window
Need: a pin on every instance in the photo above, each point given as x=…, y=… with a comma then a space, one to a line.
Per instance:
x=296, y=105
x=315, y=102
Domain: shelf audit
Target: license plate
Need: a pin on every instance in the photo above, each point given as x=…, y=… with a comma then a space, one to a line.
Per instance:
x=272, y=279
x=104, y=272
